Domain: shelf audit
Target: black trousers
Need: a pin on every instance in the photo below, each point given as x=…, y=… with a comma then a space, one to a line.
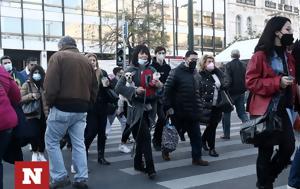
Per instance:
x=193, y=129
x=126, y=134
x=142, y=137
x=161, y=121
x=96, y=125
x=39, y=128
x=269, y=165
x=5, y=137
x=209, y=134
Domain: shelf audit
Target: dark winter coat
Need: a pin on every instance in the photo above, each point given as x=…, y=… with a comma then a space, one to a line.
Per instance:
x=235, y=77
x=163, y=69
x=207, y=88
x=182, y=93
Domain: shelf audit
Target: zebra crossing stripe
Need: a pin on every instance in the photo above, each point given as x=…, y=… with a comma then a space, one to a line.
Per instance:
x=155, y=153
x=281, y=187
x=118, y=140
x=187, y=162
x=208, y=178
x=114, y=133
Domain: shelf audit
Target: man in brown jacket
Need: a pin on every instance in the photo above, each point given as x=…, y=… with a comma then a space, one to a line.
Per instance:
x=70, y=87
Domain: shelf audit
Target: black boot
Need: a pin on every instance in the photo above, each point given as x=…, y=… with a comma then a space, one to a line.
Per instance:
x=150, y=170
x=101, y=149
x=138, y=164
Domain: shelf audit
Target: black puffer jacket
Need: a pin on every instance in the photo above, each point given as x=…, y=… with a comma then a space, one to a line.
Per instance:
x=182, y=92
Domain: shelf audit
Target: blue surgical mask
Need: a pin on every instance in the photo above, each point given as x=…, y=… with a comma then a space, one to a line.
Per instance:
x=36, y=76
x=142, y=61
x=8, y=67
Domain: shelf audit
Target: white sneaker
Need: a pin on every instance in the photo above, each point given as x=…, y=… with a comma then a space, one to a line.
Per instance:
x=35, y=156
x=72, y=169
x=41, y=157
x=123, y=148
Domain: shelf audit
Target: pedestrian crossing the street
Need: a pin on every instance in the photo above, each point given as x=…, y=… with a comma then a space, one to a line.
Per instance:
x=234, y=168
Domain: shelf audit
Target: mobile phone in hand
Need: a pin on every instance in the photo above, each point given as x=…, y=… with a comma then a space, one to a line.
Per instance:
x=290, y=77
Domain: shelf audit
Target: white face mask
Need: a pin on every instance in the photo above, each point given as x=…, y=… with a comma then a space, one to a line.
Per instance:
x=36, y=76
x=8, y=67
x=161, y=57
x=142, y=61
x=210, y=67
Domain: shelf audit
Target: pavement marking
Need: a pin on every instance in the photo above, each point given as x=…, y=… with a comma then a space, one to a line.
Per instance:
x=281, y=187
x=188, y=162
x=208, y=178
x=117, y=140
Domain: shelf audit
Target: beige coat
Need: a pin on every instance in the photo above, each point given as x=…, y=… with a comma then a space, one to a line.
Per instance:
x=27, y=96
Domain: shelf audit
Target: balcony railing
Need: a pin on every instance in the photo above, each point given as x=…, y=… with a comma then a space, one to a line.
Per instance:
x=288, y=8
x=247, y=2
x=270, y=4
x=296, y=10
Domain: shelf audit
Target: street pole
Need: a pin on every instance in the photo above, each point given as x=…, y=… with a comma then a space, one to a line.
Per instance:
x=123, y=35
x=190, y=25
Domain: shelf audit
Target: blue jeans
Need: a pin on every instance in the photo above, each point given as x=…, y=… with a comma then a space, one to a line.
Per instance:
x=4, y=141
x=58, y=123
x=294, y=177
x=239, y=103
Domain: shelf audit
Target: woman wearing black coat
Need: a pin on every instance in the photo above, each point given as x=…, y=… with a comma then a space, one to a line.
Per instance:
x=211, y=84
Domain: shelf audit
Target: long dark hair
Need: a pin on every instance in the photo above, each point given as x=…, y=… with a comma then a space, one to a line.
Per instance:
x=266, y=41
x=41, y=71
x=140, y=49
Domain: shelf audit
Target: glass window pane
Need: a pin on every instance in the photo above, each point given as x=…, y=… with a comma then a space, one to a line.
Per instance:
x=53, y=2
x=35, y=5
x=33, y=27
x=33, y=43
x=11, y=24
x=12, y=41
x=53, y=28
x=73, y=3
x=90, y=4
x=11, y=4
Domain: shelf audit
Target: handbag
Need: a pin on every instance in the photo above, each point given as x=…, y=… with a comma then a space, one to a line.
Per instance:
x=257, y=129
x=32, y=107
x=112, y=95
x=224, y=102
x=169, y=138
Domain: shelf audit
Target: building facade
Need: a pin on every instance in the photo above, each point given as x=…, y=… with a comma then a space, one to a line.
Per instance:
x=32, y=28
x=252, y=15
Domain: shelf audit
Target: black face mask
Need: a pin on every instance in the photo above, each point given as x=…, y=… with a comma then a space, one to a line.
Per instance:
x=192, y=65
x=286, y=39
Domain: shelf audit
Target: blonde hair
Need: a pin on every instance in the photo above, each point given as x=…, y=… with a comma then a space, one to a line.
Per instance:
x=88, y=55
x=201, y=65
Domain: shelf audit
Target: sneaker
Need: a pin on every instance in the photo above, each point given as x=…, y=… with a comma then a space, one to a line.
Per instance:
x=60, y=184
x=72, y=169
x=35, y=156
x=80, y=185
x=123, y=148
x=41, y=157
x=130, y=140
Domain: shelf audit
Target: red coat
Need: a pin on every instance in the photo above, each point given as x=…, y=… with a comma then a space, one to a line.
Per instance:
x=10, y=94
x=262, y=81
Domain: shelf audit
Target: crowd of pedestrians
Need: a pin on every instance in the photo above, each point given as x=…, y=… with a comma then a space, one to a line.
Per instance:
x=78, y=100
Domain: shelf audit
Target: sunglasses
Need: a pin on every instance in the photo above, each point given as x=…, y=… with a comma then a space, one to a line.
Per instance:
x=161, y=53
